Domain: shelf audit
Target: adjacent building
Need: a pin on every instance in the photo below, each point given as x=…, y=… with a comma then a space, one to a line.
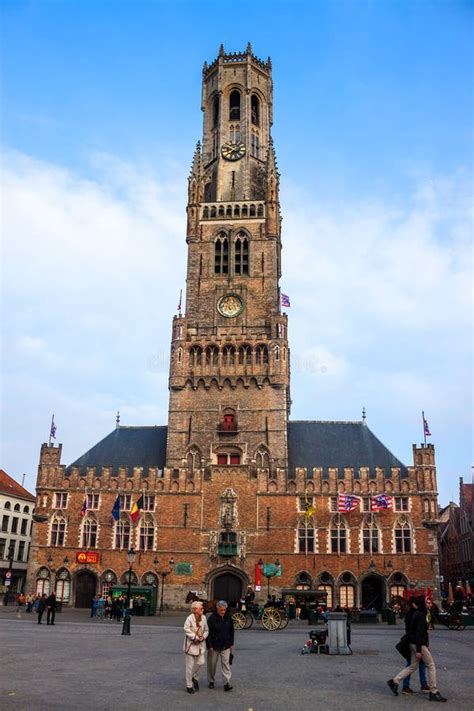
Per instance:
x=456, y=539
x=16, y=520
x=233, y=492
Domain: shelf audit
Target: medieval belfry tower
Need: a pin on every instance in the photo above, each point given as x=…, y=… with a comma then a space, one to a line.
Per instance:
x=229, y=369
x=231, y=491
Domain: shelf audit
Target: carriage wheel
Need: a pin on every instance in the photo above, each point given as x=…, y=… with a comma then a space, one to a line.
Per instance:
x=248, y=620
x=271, y=619
x=239, y=620
x=284, y=619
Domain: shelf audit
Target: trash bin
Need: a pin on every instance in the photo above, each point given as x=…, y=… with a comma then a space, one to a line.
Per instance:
x=337, y=633
x=385, y=612
x=391, y=618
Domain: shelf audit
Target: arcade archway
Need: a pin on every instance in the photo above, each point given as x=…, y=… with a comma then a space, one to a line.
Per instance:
x=373, y=593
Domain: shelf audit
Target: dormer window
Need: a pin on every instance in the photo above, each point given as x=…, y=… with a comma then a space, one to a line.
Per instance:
x=234, y=106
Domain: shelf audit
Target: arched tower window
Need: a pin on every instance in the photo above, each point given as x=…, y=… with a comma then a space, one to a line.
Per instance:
x=255, y=109
x=215, y=112
x=195, y=356
x=241, y=254
x=262, y=458
x=221, y=254
x=228, y=355
x=245, y=355
x=255, y=145
x=261, y=355
x=234, y=133
x=212, y=355
x=234, y=105
x=193, y=460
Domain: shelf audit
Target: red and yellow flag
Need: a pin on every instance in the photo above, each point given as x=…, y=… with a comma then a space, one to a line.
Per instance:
x=136, y=508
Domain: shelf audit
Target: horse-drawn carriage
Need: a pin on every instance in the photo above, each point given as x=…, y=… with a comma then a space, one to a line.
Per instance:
x=271, y=618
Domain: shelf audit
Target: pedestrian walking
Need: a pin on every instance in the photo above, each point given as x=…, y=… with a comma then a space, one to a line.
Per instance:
x=406, y=688
x=419, y=645
x=194, y=647
x=51, y=605
x=220, y=643
x=41, y=607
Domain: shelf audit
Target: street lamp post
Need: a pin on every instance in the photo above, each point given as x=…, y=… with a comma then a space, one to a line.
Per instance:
x=163, y=572
x=8, y=576
x=126, y=613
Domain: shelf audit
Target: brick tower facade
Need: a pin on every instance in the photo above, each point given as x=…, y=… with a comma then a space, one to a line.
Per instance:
x=229, y=366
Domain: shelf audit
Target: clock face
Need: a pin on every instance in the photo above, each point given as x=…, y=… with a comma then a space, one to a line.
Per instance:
x=230, y=305
x=233, y=151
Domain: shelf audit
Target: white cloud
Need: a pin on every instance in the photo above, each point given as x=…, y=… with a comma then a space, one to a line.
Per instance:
x=92, y=270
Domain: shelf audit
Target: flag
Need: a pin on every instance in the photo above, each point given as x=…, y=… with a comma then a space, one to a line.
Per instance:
x=84, y=507
x=52, y=432
x=116, y=509
x=136, y=508
x=347, y=502
x=180, y=298
x=285, y=300
x=426, y=428
x=381, y=502
x=309, y=509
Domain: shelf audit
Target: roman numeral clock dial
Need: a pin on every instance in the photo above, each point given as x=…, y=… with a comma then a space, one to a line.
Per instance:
x=233, y=151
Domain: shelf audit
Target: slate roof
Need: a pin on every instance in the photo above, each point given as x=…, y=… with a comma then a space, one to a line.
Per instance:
x=310, y=444
x=337, y=444
x=10, y=487
x=127, y=447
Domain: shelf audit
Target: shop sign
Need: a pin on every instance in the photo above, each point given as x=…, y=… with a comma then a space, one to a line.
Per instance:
x=87, y=557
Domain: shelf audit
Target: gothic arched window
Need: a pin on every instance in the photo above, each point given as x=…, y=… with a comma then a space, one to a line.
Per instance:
x=195, y=356
x=370, y=536
x=147, y=535
x=58, y=531
x=63, y=585
x=89, y=533
x=212, y=355
x=403, y=539
x=234, y=105
x=122, y=533
x=261, y=355
x=262, y=458
x=306, y=537
x=228, y=355
x=255, y=145
x=338, y=535
x=193, y=460
x=255, y=109
x=221, y=254
x=245, y=355
x=215, y=112
x=241, y=254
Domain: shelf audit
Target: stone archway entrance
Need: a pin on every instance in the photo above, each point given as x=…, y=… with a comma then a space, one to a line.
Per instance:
x=373, y=593
x=228, y=587
x=86, y=587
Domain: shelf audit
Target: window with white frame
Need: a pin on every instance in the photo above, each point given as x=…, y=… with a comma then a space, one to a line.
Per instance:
x=401, y=503
x=149, y=501
x=58, y=531
x=93, y=502
x=146, y=535
x=60, y=500
x=63, y=586
x=43, y=584
x=403, y=542
x=370, y=537
x=338, y=535
x=89, y=533
x=125, y=502
x=304, y=502
x=122, y=533
x=346, y=596
x=366, y=503
x=397, y=590
x=329, y=591
x=306, y=537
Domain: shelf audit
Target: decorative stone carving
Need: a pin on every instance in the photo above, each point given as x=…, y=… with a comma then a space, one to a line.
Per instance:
x=228, y=517
x=242, y=544
x=213, y=542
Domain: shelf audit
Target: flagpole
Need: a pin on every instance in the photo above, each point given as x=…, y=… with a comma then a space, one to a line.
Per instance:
x=424, y=430
x=51, y=429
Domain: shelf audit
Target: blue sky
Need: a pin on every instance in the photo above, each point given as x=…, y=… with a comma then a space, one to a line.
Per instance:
x=372, y=127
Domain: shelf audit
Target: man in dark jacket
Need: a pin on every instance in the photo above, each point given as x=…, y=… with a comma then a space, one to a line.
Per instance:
x=219, y=644
x=51, y=605
x=41, y=607
x=419, y=645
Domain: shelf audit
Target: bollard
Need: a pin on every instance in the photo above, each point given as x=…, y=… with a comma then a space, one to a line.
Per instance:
x=126, y=625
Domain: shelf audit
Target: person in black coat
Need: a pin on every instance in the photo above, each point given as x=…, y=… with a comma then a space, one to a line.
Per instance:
x=219, y=644
x=51, y=605
x=41, y=607
x=419, y=645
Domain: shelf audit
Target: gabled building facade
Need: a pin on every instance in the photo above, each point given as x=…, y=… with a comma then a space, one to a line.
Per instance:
x=231, y=488
x=16, y=521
